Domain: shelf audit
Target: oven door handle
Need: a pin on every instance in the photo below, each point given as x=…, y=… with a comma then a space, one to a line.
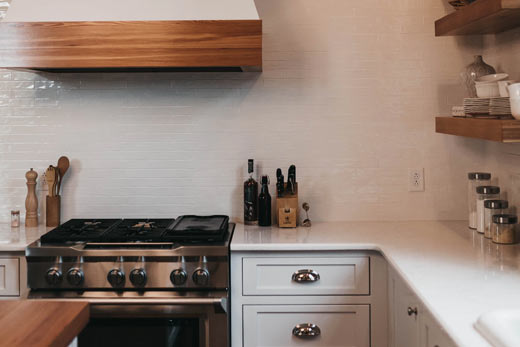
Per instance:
x=220, y=304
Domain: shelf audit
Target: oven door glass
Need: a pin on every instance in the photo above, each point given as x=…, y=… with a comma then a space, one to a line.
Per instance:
x=128, y=332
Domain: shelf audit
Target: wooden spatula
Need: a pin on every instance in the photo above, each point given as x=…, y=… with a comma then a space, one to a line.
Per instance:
x=50, y=177
x=63, y=166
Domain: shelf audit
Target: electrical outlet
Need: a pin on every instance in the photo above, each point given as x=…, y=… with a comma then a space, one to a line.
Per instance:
x=416, y=180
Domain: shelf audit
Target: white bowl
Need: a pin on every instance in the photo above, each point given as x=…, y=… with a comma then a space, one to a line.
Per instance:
x=487, y=90
x=515, y=107
x=491, y=78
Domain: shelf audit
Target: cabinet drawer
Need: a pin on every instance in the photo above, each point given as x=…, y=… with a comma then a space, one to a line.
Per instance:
x=337, y=276
x=9, y=277
x=339, y=325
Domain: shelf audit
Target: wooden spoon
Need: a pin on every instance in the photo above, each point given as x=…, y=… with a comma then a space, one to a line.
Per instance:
x=50, y=177
x=63, y=166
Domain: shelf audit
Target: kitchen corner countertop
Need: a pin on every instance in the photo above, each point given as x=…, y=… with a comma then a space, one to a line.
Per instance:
x=456, y=272
x=16, y=239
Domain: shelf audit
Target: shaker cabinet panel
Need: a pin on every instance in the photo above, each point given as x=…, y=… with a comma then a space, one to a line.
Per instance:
x=306, y=276
x=405, y=315
x=9, y=277
x=306, y=325
x=431, y=334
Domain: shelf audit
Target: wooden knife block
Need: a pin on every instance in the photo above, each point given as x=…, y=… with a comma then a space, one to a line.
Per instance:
x=287, y=209
x=52, y=218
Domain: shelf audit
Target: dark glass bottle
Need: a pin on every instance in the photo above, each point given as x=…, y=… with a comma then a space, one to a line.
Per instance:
x=250, y=196
x=264, y=204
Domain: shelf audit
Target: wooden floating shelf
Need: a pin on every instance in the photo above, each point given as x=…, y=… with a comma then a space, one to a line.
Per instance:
x=507, y=131
x=481, y=17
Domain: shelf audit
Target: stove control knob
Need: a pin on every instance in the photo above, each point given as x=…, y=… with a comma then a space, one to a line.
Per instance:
x=75, y=276
x=53, y=276
x=138, y=277
x=116, y=277
x=201, y=277
x=178, y=277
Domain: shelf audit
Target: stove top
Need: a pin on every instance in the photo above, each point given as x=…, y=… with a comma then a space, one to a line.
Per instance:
x=185, y=229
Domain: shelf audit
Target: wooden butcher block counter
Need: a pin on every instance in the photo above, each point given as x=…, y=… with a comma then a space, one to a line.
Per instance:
x=41, y=323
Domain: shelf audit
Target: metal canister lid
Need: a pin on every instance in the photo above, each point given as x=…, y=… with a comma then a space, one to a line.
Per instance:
x=15, y=212
x=479, y=176
x=496, y=204
x=488, y=189
x=505, y=219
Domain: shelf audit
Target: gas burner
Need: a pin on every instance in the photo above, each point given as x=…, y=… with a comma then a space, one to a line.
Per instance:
x=144, y=225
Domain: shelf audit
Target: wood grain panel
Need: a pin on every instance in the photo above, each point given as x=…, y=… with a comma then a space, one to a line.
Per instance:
x=131, y=44
x=481, y=17
x=41, y=323
x=486, y=129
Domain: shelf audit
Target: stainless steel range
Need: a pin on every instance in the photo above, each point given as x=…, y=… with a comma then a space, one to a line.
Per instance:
x=149, y=281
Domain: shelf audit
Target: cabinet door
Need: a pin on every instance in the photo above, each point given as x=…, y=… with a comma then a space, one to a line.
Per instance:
x=339, y=325
x=431, y=334
x=404, y=315
x=9, y=277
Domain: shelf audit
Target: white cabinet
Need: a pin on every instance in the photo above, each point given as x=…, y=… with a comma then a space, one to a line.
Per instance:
x=411, y=324
x=343, y=294
x=287, y=325
x=9, y=277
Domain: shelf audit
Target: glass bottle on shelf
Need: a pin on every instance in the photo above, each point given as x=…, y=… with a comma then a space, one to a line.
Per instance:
x=264, y=204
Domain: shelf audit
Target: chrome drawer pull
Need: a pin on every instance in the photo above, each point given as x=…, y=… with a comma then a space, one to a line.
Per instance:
x=305, y=275
x=306, y=330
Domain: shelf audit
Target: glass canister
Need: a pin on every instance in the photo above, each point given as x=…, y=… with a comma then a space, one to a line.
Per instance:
x=491, y=208
x=15, y=219
x=504, y=228
x=484, y=193
x=475, y=179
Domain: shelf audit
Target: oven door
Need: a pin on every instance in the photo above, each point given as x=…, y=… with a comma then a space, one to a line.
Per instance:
x=133, y=319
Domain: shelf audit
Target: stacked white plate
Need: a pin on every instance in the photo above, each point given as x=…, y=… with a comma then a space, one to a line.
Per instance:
x=476, y=107
x=499, y=107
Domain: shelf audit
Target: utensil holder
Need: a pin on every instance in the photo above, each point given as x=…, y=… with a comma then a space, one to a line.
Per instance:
x=287, y=209
x=53, y=207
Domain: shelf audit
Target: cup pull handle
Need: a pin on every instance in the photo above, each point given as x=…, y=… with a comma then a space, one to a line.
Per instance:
x=306, y=330
x=305, y=276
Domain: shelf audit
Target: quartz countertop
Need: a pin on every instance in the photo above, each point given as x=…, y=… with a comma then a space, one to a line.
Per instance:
x=16, y=239
x=456, y=272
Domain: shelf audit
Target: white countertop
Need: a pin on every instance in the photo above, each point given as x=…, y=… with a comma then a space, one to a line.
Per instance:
x=16, y=239
x=455, y=271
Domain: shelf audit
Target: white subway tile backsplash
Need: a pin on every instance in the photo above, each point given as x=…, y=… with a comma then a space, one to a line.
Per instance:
x=347, y=98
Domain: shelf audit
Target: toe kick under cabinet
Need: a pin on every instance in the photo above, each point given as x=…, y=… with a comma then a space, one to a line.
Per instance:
x=315, y=299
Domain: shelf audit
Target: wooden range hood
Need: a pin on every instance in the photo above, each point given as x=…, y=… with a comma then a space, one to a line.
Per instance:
x=94, y=34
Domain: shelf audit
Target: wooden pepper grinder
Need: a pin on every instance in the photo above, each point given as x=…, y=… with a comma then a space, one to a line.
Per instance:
x=31, y=202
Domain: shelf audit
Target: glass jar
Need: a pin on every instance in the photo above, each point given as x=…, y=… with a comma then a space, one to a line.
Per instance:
x=491, y=208
x=475, y=179
x=504, y=228
x=15, y=219
x=484, y=193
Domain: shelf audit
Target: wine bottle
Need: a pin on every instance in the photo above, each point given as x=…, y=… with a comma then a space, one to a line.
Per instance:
x=250, y=196
x=264, y=204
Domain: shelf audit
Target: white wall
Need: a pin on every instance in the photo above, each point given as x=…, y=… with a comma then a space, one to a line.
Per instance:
x=348, y=94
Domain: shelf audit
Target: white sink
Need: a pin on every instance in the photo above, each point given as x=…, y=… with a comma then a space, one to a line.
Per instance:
x=501, y=327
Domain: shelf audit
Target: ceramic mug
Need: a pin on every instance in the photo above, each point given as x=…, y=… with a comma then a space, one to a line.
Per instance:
x=515, y=107
x=502, y=87
x=514, y=91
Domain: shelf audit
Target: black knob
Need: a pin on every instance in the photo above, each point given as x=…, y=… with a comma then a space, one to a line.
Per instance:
x=201, y=277
x=178, y=277
x=138, y=277
x=116, y=277
x=75, y=276
x=54, y=276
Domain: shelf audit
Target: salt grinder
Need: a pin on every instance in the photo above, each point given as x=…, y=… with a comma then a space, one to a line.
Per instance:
x=31, y=202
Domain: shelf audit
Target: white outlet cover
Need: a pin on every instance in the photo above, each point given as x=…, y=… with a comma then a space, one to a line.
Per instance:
x=416, y=180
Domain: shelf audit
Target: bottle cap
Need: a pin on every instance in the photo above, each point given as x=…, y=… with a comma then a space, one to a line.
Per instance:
x=265, y=179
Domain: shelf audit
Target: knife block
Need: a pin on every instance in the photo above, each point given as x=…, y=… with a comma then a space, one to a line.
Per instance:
x=52, y=211
x=287, y=209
